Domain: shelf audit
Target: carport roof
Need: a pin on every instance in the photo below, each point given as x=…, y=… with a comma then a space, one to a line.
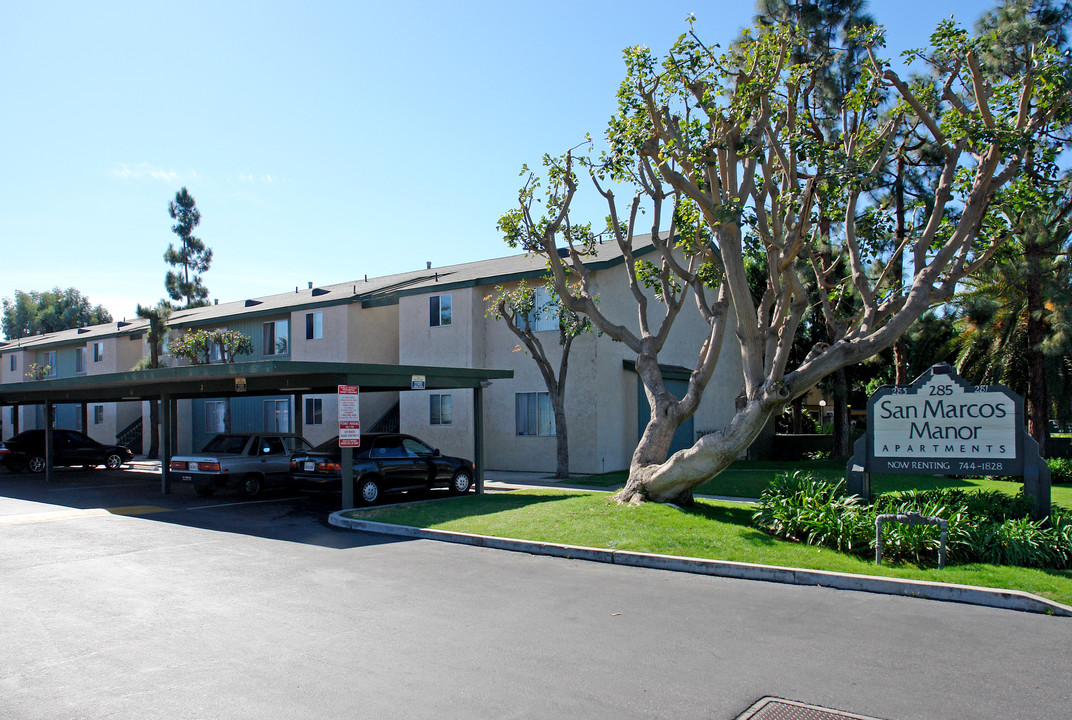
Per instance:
x=271, y=377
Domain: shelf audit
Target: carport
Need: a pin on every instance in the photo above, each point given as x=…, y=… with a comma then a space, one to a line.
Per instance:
x=261, y=378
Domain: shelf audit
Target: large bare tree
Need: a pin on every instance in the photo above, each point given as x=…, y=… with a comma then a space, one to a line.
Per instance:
x=732, y=163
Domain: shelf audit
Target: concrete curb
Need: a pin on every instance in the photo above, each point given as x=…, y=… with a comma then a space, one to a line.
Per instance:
x=967, y=594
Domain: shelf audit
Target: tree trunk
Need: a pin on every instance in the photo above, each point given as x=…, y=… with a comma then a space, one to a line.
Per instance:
x=840, y=430
x=561, y=437
x=1037, y=402
x=154, y=430
x=673, y=481
x=798, y=420
x=900, y=353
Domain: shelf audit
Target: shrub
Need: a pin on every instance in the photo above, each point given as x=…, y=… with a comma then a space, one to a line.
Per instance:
x=813, y=511
x=987, y=526
x=1060, y=470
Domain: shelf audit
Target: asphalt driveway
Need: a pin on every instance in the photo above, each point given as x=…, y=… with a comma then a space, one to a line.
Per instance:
x=173, y=607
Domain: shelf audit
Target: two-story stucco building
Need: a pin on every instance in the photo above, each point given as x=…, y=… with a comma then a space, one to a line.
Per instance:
x=424, y=317
x=97, y=350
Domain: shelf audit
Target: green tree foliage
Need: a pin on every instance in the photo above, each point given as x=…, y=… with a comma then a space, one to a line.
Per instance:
x=191, y=258
x=199, y=346
x=34, y=313
x=731, y=152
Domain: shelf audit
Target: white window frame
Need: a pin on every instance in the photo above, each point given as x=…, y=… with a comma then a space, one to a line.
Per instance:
x=80, y=360
x=544, y=314
x=215, y=418
x=534, y=415
x=440, y=310
x=314, y=411
x=273, y=337
x=314, y=325
x=440, y=409
x=98, y=352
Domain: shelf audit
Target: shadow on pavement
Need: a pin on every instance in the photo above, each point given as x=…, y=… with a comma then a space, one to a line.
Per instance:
x=278, y=515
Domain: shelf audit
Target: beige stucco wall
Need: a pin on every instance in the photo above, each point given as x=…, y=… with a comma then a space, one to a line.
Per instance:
x=601, y=402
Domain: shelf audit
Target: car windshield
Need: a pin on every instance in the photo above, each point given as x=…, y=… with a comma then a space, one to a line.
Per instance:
x=225, y=444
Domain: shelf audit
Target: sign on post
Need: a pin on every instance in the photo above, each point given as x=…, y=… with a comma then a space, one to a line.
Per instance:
x=943, y=425
x=349, y=417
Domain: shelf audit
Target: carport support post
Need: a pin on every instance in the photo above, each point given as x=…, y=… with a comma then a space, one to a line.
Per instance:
x=478, y=438
x=50, y=416
x=167, y=450
x=85, y=418
x=347, y=477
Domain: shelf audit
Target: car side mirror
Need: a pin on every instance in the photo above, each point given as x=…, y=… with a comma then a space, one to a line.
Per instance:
x=435, y=452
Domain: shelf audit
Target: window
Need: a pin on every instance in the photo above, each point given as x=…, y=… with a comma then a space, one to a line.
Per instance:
x=314, y=411
x=214, y=416
x=544, y=313
x=277, y=415
x=271, y=446
x=80, y=360
x=12, y=362
x=439, y=310
x=534, y=414
x=98, y=352
x=50, y=360
x=277, y=337
x=98, y=414
x=314, y=325
x=215, y=353
x=441, y=409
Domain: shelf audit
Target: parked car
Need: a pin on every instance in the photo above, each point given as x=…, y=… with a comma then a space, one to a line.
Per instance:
x=246, y=461
x=69, y=448
x=385, y=463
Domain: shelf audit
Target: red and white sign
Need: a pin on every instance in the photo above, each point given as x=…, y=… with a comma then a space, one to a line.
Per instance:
x=349, y=416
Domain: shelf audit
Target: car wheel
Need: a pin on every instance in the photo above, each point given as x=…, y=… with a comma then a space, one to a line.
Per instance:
x=461, y=482
x=204, y=490
x=368, y=491
x=251, y=485
x=113, y=461
x=37, y=464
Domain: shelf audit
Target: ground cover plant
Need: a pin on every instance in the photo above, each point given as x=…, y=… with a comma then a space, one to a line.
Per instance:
x=709, y=529
x=984, y=526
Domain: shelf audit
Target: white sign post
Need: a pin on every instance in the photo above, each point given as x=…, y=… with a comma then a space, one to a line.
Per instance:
x=349, y=416
x=349, y=438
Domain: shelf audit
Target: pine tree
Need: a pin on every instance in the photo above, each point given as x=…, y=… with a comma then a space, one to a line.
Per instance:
x=192, y=259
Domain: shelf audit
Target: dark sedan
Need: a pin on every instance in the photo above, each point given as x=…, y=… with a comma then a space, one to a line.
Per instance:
x=385, y=463
x=69, y=448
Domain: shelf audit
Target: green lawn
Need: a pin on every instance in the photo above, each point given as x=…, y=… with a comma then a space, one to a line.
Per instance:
x=718, y=530
x=747, y=479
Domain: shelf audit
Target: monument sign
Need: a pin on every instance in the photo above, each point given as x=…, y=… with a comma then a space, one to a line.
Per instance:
x=943, y=425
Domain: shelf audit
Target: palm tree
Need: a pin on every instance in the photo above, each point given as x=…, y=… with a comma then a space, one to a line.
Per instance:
x=157, y=316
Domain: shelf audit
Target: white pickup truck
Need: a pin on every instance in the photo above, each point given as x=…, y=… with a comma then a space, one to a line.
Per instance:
x=246, y=461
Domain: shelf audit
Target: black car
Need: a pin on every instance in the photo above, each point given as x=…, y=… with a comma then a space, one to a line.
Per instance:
x=69, y=448
x=385, y=463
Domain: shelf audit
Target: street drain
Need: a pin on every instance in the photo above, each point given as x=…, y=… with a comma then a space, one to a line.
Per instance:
x=771, y=708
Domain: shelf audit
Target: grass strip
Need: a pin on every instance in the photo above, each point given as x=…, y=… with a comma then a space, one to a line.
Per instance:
x=711, y=529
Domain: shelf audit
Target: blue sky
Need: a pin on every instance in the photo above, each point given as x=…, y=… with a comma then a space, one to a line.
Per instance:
x=323, y=140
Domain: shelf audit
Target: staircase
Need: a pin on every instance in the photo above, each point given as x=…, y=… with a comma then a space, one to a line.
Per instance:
x=388, y=423
x=130, y=437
